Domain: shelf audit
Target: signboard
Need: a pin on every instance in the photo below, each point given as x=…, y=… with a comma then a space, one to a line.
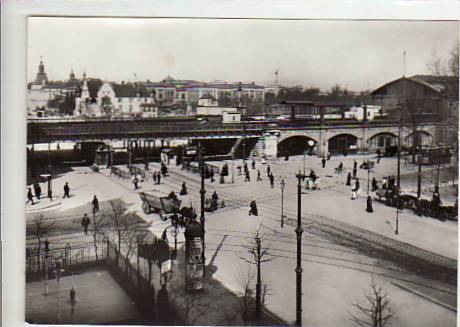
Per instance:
x=194, y=267
x=195, y=252
x=166, y=266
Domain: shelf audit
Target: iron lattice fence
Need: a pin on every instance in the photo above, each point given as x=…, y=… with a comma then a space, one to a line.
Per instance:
x=68, y=255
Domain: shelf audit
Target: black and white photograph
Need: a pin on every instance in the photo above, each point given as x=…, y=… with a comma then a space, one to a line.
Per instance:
x=234, y=172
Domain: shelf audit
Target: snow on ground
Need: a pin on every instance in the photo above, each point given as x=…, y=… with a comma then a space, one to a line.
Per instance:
x=334, y=277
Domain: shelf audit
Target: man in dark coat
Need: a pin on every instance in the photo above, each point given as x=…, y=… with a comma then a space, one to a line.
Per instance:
x=323, y=162
x=375, y=185
x=183, y=191
x=154, y=176
x=95, y=204
x=253, y=164
x=248, y=178
x=369, y=204
x=253, y=208
x=85, y=223
x=136, y=182
x=357, y=185
x=66, y=190
x=37, y=190
x=268, y=170
x=349, y=179
x=211, y=174
x=272, y=180
x=30, y=197
x=158, y=178
x=258, y=175
x=355, y=170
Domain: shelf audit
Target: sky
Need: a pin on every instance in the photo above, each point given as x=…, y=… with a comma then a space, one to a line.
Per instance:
x=358, y=55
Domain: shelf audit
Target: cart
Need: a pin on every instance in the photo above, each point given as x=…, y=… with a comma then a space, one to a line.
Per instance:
x=164, y=206
x=209, y=207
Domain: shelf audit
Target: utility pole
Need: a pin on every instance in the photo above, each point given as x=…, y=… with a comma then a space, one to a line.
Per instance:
x=299, y=269
x=202, y=193
x=419, y=177
x=283, y=185
x=258, y=285
x=368, y=170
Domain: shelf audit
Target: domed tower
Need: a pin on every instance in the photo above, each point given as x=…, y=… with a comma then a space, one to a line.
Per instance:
x=41, y=78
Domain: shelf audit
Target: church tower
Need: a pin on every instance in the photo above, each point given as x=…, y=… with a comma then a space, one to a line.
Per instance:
x=41, y=78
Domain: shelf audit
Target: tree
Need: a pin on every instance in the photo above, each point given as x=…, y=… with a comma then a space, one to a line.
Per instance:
x=258, y=254
x=119, y=220
x=377, y=310
x=41, y=227
x=453, y=60
x=99, y=222
x=245, y=281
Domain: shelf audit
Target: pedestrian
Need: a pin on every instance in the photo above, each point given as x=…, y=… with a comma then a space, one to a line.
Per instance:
x=355, y=170
x=135, y=182
x=95, y=204
x=66, y=190
x=30, y=197
x=348, y=179
x=214, y=201
x=247, y=178
x=47, y=245
x=379, y=155
x=258, y=175
x=164, y=169
x=323, y=162
x=85, y=223
x=37, y=190
x=384, y=183
x=355, y=164
x=272, y=180
x=246, y=167
x=253, y=208
x=353, y=194
x=369, y=204
x=183, y=191
x=72, y=300
x=375, y=185
x=158, y=178
x=357, y=185
x=154, y=176
x=253, y=164
x=211, y=174
x=268, y=170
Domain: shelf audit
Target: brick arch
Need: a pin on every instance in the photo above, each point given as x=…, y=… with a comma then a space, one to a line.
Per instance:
x=343, y=142
x=285, y=136
x=374, y=143
x=295, y=144
x=423, y=133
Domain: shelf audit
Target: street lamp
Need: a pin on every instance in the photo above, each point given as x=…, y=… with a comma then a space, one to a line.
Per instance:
x=299, y=269
x=202, y=193
x=283, y=185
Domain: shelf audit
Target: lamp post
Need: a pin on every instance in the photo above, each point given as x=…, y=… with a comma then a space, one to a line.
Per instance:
x=299, y=269
x=202, y=193
x=283, y=185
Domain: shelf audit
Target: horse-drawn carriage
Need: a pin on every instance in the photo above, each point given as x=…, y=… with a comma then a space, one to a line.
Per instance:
x=165, y=206
x=422, y=206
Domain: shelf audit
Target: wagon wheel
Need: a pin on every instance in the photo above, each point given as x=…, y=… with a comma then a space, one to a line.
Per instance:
x=145, y=208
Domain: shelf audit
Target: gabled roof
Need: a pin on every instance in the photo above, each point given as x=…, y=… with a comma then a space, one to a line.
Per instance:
x=437, y=84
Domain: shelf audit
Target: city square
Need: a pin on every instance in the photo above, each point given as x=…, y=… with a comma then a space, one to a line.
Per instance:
x=242, y=199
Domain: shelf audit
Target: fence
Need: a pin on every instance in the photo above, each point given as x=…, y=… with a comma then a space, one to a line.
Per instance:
x=67, y=255
x=132, y=279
